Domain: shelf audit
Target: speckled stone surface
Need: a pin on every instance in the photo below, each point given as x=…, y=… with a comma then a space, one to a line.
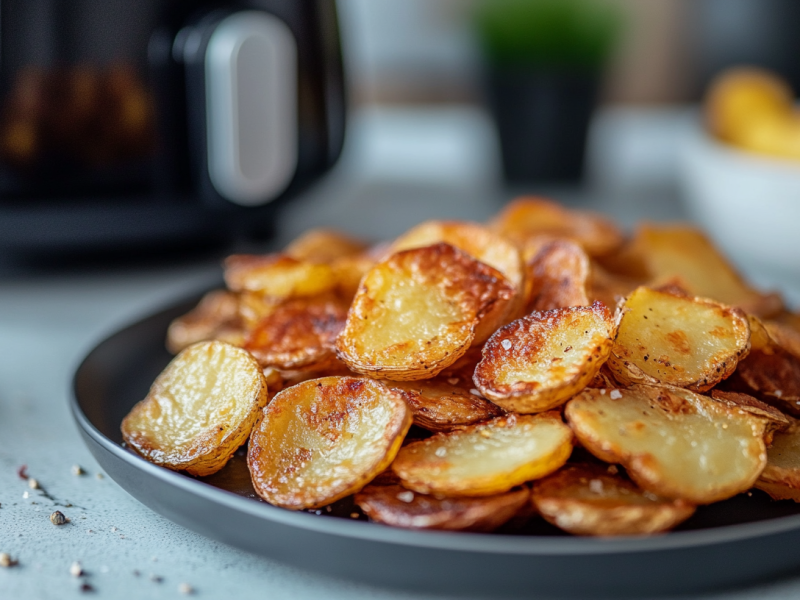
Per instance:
x=49, y=322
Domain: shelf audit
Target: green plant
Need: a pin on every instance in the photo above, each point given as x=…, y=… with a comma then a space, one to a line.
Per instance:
x=561, y=34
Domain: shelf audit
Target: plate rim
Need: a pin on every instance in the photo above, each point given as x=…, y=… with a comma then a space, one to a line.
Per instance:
x=376, y=532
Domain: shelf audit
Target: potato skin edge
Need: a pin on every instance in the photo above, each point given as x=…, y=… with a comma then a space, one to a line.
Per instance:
x=293, y=502
x=210, y=462
x=492, y=486
x=643, y=475
x=614, y=522
x=627, y=373
x=524, y=401
x=505, y=507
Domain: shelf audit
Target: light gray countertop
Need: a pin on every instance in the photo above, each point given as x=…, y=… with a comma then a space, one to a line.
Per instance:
x=48, y=322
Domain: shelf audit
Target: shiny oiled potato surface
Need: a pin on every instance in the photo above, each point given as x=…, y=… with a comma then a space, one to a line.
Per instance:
x=485, y=459
x=199, y=410
x=324, y=439
x=506, y=343
x=673, y=442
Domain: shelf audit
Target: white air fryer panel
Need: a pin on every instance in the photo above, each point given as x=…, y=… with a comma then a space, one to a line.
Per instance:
x=251, y=95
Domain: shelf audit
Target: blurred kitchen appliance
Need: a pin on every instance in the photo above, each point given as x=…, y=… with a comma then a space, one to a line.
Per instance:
x=129, y=124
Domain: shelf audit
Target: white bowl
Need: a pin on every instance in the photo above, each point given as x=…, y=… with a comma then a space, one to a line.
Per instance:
x=749, y=204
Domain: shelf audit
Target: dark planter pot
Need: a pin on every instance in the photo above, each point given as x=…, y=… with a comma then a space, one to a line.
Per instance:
x=542, y=119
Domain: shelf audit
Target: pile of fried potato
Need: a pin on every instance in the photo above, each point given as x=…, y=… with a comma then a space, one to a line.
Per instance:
x=506, y=345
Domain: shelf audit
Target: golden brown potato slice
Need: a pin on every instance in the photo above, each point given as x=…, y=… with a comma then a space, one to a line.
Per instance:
x=199, y=410
x=788, y=319
x=323, y=246
x=779, y=490
x=476, y=240
x=288, y=378
x=677, y=340
x=609, y=288
x=759, y=337
x=771, y=370
x=540, y=361
x=349, y=270
x=603, y=379
x=324, y=439
x=585, y=499
x=440, y=406
x=387, y=477
x=679, y=252
x=419, y=311
x=216, y=316
x=527, y=217
x=772, y=374
x=481, y=244
x=298, y=334
x=253, y=307
x=784, y=336
x=486, y=459
x=275, y=381
x=781, y=476
x=560, y=275
x=775, y=419
x=277, y=276
x=460, y=372
x=396, y=506
x=534, y=244
x=672, y=442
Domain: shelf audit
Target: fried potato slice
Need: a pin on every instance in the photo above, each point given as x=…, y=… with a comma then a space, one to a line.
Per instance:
x=420, y=310
x=673, y=442
x=199, y=410
x=788, y=319
x=290, y=377
x=677, y=340
x=485, y=459
x=216, y=316
x=781, y=477
x=476, y=240
x=253, y=307
x=784, y=336
x=481, y=244
x=277, y=276
x=603, y=379
x=323, y=246
x=771, y=371
x=324, y=439
x=560, y=275
x=299, y=333
x=440, y=406
x=778, y=490
x=527, y=217
x=772, y=374
x=585, y=499
x=759, y=336
x=460, y=372
x=349, y=271
x=540, y=361
x=394, y=505
x=661, y=253
x=609, y=288
x=775, y=419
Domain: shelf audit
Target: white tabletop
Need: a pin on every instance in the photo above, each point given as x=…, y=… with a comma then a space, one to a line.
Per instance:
x=49, y=321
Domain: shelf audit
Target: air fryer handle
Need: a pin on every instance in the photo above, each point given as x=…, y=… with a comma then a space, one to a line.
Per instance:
x=251, y=122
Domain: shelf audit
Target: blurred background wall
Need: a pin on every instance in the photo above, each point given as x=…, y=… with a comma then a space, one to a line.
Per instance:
x=424, y=50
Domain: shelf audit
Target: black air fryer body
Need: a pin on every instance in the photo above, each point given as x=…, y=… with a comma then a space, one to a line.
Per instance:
x=161, y=121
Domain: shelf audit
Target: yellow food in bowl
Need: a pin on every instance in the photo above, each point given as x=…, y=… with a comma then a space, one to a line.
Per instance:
x=754, y=110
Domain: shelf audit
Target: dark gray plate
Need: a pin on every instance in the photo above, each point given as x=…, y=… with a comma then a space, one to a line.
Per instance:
x=742, y=540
